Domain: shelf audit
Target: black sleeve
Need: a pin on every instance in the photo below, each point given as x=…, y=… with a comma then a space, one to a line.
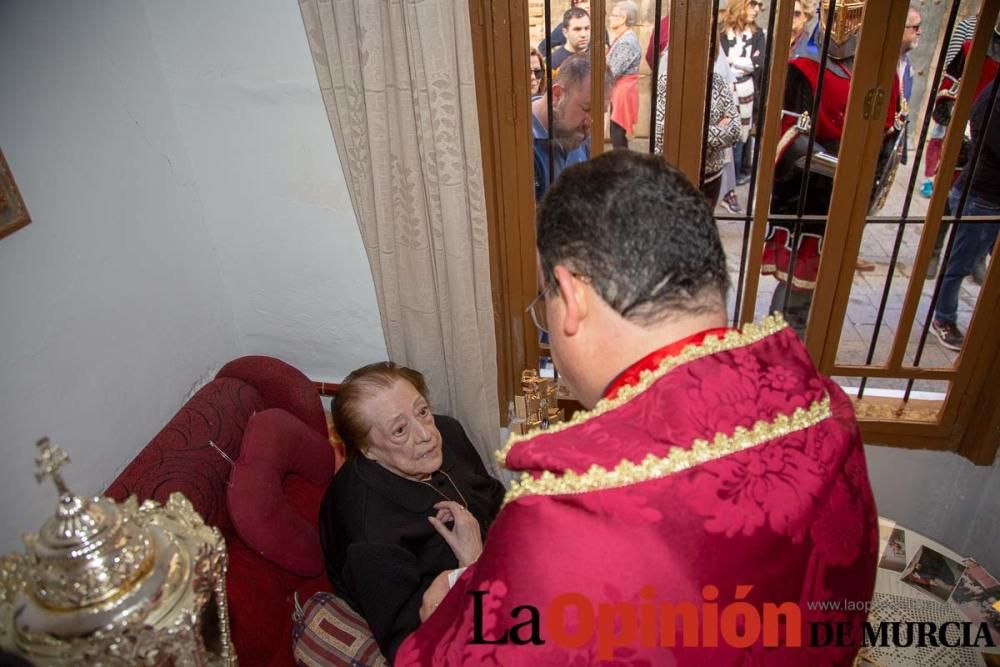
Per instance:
x=757, y=46
x=798, y=92
x=984, y=122
x=385, y=580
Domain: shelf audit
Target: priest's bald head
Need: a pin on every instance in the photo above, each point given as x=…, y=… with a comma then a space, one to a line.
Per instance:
x=630, y=260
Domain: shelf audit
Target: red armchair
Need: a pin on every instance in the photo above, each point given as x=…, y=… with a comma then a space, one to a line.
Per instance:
x=195, y=453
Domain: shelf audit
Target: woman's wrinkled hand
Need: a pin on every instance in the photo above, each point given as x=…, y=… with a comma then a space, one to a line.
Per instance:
x=463, y=537
x=434, y=594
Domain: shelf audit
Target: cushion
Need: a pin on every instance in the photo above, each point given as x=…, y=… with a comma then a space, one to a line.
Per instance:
x=280, y=386
x=276, y=487
x=329, y=632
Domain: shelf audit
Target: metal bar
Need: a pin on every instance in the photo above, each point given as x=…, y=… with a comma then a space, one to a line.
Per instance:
x=755, y=158
x=598, y=65
x=904, y=214
x=713, y=50
x=949, y=156
x=968, y=176
x=548, y=90
x=655, y=77
x=768, y=136
x=804, y=185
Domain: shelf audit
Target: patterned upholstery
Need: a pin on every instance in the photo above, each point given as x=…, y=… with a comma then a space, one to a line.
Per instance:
x=187, y=456
x=181, y=458
x=329, y=632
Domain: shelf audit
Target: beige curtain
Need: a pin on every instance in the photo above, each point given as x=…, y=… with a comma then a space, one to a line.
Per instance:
x=397, y=79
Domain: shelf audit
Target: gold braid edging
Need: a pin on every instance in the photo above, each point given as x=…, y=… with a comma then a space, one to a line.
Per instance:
x=652, y=467
x=751, y=333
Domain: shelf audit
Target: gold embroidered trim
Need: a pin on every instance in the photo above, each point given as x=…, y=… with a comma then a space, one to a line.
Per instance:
x=732, y=340
x=652, y=467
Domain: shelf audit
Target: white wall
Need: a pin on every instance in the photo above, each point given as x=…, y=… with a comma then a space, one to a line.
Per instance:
x=111, y=301
x=275, y=199
x=943, y=496
x=188, y=207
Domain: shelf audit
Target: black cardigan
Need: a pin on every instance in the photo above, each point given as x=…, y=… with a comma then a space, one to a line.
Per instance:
x=381, y=551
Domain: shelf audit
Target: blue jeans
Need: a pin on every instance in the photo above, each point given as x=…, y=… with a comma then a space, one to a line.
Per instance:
x=738, y=150
x=972, y=241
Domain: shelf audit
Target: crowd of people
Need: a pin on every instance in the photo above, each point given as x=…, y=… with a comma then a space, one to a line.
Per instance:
x=792, y=249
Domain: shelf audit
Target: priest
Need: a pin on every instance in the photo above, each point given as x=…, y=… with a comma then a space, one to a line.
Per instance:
x=713, y=500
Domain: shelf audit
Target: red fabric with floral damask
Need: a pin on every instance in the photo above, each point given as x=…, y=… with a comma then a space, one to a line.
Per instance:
x=734, y=464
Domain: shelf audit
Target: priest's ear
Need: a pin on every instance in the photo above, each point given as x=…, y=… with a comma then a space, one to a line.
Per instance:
x=572, y=293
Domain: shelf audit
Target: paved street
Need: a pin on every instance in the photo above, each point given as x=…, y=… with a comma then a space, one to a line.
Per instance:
x=859, y=325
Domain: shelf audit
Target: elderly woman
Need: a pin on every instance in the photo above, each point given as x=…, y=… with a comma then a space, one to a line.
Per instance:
x=412, y=500
x=624, y=56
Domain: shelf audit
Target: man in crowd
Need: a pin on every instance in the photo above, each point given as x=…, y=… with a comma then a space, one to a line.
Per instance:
x=557, y=38
x=570, y=123
x=576, y=29
x=972, y=239
x=714, y=465
x=904, y=70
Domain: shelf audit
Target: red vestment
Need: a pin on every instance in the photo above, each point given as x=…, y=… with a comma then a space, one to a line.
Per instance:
x=733, y=463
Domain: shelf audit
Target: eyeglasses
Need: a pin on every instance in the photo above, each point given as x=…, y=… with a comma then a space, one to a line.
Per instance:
x=537, y=306
x=914, y=28
x=537, y=73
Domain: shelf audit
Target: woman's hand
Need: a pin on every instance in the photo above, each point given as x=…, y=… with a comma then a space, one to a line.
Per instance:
x=434, y=594
x=464, y=537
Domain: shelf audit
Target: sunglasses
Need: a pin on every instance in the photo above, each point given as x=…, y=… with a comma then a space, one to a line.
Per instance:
x=797, y=13
x=537, y=73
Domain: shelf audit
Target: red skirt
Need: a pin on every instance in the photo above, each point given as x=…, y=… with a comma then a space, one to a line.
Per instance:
x=625, y=101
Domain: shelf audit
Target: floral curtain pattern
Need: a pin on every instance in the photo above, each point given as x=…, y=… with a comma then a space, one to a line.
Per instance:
x=397, y=79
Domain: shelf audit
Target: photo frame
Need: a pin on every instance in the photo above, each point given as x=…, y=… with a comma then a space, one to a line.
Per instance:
x=13, y=212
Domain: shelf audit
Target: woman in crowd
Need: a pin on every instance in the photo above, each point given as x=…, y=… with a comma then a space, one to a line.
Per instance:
x=412, y=500
x=723, y=130
x=802, y=16
x=624, y=56
x=743, y=43
x=539, y=77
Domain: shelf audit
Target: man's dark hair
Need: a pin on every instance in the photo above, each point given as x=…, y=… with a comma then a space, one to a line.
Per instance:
x=643, y=235
x=573, y=13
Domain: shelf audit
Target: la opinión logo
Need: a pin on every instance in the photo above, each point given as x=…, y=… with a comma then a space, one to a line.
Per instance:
x=572, y=620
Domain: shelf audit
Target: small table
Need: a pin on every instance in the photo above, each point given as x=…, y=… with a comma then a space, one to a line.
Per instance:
x=897, y=600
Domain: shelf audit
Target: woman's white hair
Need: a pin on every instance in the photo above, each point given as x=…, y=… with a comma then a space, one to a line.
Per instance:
x=631, y=11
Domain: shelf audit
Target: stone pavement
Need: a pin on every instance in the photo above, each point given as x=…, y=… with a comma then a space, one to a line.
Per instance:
x=859, y=324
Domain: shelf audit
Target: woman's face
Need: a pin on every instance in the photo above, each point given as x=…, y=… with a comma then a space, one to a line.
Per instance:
x=753, y=8
x=616, y=18
x=798, y=19
x=536, y=75
x=403, y=438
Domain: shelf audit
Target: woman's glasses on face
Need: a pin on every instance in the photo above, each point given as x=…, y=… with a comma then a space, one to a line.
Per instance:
x=537, y=73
